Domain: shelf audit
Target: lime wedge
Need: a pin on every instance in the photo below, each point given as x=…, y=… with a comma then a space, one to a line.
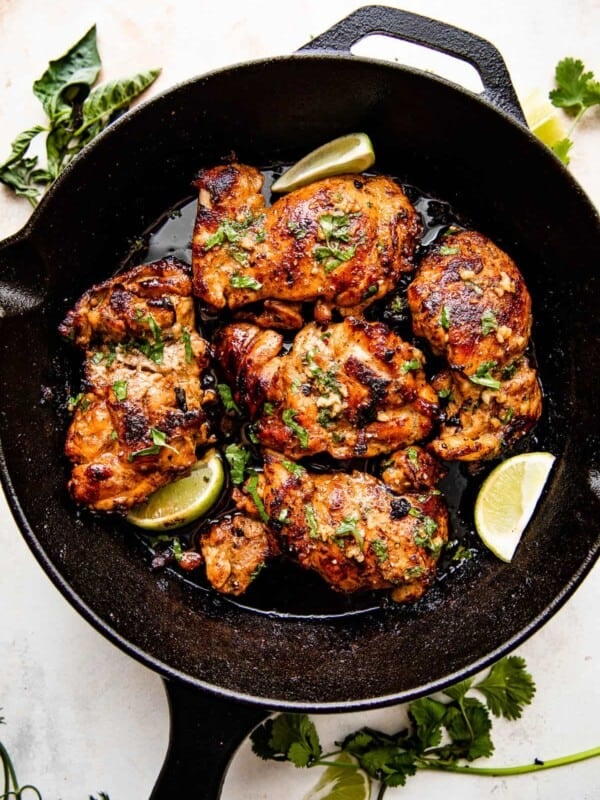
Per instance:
x=507, y=500
x=350, y=153
x=544, y=120
x=184, y=500
x=341, y=782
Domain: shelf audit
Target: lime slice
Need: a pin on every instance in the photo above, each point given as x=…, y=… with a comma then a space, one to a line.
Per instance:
x=341, y=783
x=350, y=153
x=507, y=500
x=184, y=500
x=544, y=120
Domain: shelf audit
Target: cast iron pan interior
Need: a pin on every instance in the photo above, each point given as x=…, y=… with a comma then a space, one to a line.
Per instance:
x=431, y=135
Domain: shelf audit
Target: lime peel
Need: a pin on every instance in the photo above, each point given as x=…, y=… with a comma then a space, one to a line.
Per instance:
x=545, y=120
x=352, y=153
x=507, y=499
x=185, y=499
x=341, y=783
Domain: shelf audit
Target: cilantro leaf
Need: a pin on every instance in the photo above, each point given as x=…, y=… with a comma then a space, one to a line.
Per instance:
x=287, y=737
x=469, y=729
x=562, y=148
x=507, y=688
x=576, y=89
x=382, y=756
x=427, y=716
x=237, y=458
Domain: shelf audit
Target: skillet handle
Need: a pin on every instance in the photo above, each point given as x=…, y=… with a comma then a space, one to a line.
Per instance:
x=404, y=25
x=206, y=730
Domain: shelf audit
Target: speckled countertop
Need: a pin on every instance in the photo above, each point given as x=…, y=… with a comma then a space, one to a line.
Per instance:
x=84, y=717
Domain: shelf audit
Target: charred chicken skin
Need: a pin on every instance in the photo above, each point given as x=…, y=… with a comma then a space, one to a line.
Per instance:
x=412, y=469
x=349, y=389
x=341, y=242
x=469, y=300
x=480, y=422
x=141, y=416
x=234, y=550
x=350, y=528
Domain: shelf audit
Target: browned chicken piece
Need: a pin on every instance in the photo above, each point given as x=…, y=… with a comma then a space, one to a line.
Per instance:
x=247, y=356
x=235, y=549
x=351, y=388
x=469, y=300
x=275, y=314
x=342, y=242
x=349, y=527
x=480, y=422
x=142, y=415
x=412, y=469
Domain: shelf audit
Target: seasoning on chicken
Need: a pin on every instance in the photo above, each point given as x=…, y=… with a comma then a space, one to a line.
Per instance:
x=235, y=549
x=350, y=528
x=482, y=421
x=469, y=300
x=350, y=389
x=342, y=242
x=412, y=469
x=141, y=416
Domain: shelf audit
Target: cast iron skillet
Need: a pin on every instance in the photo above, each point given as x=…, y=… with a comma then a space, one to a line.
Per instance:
x=472, y=151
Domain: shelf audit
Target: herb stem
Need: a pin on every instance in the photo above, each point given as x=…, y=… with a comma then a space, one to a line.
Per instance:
x=8, y=769
x=521, y=769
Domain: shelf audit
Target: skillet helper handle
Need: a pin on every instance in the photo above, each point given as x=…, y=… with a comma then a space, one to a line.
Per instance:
x=206, y=730
x=435, y=35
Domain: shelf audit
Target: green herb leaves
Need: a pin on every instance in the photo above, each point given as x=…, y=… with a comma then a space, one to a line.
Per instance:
x=237, y=458
x=576, y=91
x=289, y=420
x=483, y=375
x=288, y=737
x=335, y=229
x=443, y=733
x=76, y=111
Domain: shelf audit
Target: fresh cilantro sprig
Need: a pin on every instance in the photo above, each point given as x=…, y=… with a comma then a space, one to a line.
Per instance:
x=576, y=91
x=10, y=786
x=76, y=109
x=445, y=734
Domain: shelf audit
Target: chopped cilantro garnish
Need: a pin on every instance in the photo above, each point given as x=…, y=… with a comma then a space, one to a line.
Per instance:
x=289, y=420
x=483, y=375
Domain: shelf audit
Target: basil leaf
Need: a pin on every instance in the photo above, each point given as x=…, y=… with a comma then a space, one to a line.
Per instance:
x=65, y=77
x=20, y=145
x=21, y=178
x=114, y=96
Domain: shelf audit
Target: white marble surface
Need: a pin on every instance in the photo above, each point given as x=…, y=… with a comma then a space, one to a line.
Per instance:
x=82, y=716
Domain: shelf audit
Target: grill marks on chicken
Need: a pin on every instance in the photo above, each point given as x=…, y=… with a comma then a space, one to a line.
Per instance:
x=341, y=242
x=142, y=415
x=350, y=528
x=469, y=300
x=349, y=389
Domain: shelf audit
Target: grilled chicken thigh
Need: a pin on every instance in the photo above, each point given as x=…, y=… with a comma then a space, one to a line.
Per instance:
x=142, y=415
x=234, y=550
x=469, y=300
x=341, y=242
x=481, y=421
x=351, y=388
x=412, y=469
x=350, y=528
